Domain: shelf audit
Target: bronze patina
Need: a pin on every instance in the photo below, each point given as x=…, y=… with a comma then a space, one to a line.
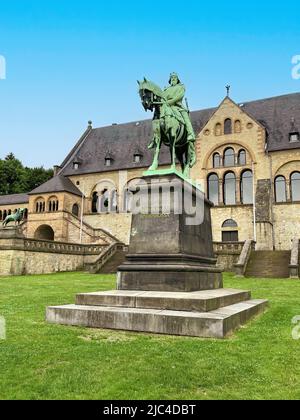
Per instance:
x=16, y=218
x=171, y=123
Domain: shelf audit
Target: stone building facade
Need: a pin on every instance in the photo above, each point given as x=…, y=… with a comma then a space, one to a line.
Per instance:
x=248, y=164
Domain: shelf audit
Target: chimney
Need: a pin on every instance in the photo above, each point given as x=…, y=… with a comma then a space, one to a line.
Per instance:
x=56, y=169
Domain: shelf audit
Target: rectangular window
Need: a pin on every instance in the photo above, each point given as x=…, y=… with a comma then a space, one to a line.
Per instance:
x=230, y=236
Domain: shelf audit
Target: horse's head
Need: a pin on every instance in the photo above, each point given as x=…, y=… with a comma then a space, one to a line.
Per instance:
x=150, y=94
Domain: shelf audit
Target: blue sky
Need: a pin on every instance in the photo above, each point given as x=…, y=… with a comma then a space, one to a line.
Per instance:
x=71, y=61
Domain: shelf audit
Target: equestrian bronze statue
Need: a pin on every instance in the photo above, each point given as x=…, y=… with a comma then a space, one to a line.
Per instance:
x=171, y=123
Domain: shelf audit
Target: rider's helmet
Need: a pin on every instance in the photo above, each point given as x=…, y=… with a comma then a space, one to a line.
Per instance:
x=172, y=75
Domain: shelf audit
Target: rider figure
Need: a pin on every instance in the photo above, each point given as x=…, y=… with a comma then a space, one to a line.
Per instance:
x=174, y=95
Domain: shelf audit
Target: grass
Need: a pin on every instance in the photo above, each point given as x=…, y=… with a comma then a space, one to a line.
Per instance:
x=41, y=361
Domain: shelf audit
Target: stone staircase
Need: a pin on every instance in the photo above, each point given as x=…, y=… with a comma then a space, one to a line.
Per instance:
x=117, y=259
x=269, y=264
x=208, y=314
x=108, y=261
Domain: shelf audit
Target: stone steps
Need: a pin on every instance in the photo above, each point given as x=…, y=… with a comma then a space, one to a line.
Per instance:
x=112, y=265
x=269, y=264
x=202, y=301
x=215, y=324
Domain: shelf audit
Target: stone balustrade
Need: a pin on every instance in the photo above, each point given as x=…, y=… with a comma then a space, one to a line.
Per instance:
x=62, y=247
x=228, y=247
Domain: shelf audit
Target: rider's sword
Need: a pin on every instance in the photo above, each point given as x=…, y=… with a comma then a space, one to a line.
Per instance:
x=187, y=105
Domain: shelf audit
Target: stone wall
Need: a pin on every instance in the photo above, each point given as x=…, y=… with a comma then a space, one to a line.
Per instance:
x=243, y=215
x=287, y=222
x=19, y=255
x=118, y=225
x=228, y=254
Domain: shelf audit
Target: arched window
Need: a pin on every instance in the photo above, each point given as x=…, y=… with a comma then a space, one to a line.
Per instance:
x=53, y=205
x=1, y=215
x=218, y=129
x=295, y=186
x=229, y=189
x=230, y=232
x=95, y=202
x=40, y=206
x=280, y=189
x=4, y=214
x=228, y=126
x=213, y=188
x=237, y=126
x=247, y=187
x=26, y=214
x=229, y=157
x=230, y=224
x=75, y=210
x=242, y=158
x=216, y=160
x=104, y=201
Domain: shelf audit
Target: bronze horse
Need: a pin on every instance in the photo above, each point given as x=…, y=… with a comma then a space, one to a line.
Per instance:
x=169, y=129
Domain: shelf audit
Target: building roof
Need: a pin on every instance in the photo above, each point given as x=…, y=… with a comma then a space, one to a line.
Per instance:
x=57, y=184
x=280, y=116
x=8, y=200
x=121, y=141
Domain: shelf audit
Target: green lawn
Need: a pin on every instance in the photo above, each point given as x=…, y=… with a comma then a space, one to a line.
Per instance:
x=41, y=361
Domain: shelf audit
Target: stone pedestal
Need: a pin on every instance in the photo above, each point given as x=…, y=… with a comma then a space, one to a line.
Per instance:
x=170, y=283
x=171, y=246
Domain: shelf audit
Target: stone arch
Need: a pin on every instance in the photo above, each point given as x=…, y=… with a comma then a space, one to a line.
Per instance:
x=218, y=129
x=222, y=146
x=53, y=204
x=44, y=233
x=287, y=168
x=40, y=205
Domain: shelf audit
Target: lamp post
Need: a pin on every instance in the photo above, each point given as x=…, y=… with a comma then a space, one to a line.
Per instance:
x=81, y=215
x=254, y=204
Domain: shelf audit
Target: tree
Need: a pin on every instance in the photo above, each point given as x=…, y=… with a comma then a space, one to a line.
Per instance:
x=17, y=179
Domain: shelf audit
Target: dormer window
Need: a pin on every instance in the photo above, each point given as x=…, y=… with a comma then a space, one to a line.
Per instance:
x=76, y=164
x=294, y=137
x=108, y=161
x=137, y=157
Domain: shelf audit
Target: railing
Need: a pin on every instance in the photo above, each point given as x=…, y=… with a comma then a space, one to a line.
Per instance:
x=95, y=234
x=294, y=265
x=107, y=254
x=241, y=266
x=36, y=245
x=228, y=247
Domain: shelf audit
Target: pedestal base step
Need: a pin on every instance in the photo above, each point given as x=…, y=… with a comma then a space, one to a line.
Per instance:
x=202, y=301
x=216, y=324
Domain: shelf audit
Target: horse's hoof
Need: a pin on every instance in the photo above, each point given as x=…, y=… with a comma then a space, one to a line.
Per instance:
x=153, y=168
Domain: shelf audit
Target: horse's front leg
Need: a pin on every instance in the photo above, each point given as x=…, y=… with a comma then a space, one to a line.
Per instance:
x=154, y=165
x=173, y=155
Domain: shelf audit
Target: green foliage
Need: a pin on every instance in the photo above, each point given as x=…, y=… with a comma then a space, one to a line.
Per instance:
x=16, y=179
x=44, y=361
